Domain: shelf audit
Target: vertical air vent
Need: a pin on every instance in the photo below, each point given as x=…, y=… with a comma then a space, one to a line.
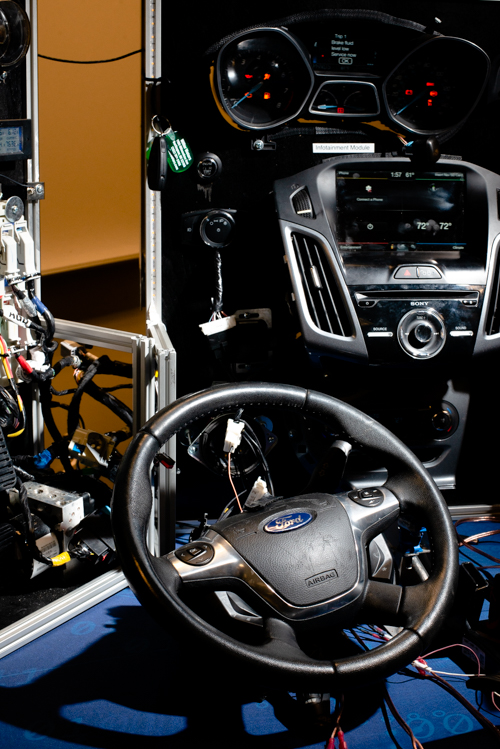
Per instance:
x=493, y=316
x=324, y=300
x=302, y=205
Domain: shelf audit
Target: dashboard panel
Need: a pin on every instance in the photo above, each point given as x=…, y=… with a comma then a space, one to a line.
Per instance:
x=341, y=209
x=392, y=262
x=266, y=77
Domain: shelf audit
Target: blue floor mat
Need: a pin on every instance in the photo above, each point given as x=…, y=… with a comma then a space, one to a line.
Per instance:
x=111, y=677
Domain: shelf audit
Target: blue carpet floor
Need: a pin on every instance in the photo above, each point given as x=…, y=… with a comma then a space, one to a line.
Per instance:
x=111, y=677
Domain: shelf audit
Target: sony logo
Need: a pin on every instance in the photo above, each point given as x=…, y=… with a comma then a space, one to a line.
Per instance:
x=419, y=304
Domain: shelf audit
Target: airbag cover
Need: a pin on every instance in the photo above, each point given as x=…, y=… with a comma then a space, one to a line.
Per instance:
x=305, y=561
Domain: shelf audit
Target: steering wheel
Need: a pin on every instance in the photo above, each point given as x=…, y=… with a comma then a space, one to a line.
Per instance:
x=300, y=562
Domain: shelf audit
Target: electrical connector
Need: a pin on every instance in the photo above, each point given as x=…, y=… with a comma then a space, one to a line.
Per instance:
x=342, y=742
x=218, y=326
x=258, y=490
x=233, y=435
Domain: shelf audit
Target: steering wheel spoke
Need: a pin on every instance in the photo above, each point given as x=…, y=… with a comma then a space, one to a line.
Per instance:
x=383, y=604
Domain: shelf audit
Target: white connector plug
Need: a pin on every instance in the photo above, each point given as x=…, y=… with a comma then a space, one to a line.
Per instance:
x=218, y=325
x=257, y=492
x=233, y=435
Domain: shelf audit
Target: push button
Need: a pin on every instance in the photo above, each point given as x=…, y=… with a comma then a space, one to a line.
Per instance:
x=367, y=497
x=197, y=554
x=428, y=271
x=406, y=271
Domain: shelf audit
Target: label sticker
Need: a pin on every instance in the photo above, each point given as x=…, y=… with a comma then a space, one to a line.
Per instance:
x=179, y=155
x=343, y=147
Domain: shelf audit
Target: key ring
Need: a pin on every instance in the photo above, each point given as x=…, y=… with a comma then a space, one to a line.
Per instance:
x=155, y=128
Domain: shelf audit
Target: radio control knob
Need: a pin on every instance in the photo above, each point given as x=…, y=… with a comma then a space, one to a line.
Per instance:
x=421, y=333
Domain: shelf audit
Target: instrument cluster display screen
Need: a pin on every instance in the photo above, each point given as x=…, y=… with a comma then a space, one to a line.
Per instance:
x=398, y=211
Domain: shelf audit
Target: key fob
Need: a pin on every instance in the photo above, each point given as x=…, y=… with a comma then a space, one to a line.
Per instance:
x=157, y=164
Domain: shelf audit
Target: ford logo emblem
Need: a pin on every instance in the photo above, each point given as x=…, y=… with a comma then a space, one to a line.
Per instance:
x=289, y=522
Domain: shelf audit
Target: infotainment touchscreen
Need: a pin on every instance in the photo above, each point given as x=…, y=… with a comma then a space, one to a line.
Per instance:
x=400, y=211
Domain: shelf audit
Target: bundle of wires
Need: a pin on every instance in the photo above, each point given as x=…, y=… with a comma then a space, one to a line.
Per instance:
x=12, y=410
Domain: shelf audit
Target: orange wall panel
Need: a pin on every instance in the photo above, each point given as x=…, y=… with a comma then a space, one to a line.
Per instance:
x=90, y=133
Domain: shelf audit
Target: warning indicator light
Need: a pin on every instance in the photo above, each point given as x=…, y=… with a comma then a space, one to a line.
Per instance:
x=409, y=92
x=430, y=85
x=340, y=110
x=267, y=95
x=267, y=76
x=433, y=93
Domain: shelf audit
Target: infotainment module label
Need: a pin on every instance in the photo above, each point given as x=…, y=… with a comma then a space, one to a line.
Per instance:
x=343, y=147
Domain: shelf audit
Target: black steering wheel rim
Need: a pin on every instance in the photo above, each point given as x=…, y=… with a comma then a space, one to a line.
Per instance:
x=156, y=582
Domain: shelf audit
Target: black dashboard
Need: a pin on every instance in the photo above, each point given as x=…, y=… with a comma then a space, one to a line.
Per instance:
x=342, y=209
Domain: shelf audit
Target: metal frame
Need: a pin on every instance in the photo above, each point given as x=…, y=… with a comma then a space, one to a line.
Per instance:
x=152, y=200
x=144, y=356
x=153, y=358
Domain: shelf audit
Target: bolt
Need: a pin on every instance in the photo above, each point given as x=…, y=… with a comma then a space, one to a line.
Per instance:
x=39, y=189
x=258, y=145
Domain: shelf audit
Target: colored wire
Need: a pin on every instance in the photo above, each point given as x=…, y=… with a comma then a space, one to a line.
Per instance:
x=457, y=645
x=4, y=353
x=415, y=742
x=231, y=481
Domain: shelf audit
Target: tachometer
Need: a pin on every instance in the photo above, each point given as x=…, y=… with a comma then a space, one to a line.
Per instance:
x=263, y=78
x=437, y=85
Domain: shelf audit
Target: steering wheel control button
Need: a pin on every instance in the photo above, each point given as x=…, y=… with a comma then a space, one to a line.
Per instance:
x=217, y=229
x=406, y=271
x=421, y=333
x=197, y=554
x=367, y=497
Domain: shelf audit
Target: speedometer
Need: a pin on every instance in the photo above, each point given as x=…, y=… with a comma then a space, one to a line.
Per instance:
x=437, y=85
x=263, y=78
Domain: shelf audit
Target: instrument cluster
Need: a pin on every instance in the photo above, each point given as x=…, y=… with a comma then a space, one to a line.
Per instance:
x=343, y=71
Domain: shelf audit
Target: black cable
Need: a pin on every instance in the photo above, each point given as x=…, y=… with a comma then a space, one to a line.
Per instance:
x=62, y=392
x=14, y=181
x=388, y=725
x=110, y=401
x=91, y=62
x=74, y=407
x=487, y=724
x=250, y=435
x=66, y=361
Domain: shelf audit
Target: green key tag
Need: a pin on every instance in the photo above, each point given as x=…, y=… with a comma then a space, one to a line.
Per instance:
x=179, y=155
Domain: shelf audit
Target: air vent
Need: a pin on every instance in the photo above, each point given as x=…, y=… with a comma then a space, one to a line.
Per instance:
x=493, y=316
x=302, y=204
x=324, y=300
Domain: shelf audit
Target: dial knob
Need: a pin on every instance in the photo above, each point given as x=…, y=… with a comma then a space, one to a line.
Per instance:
x=217, y=229
x=421, y=333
